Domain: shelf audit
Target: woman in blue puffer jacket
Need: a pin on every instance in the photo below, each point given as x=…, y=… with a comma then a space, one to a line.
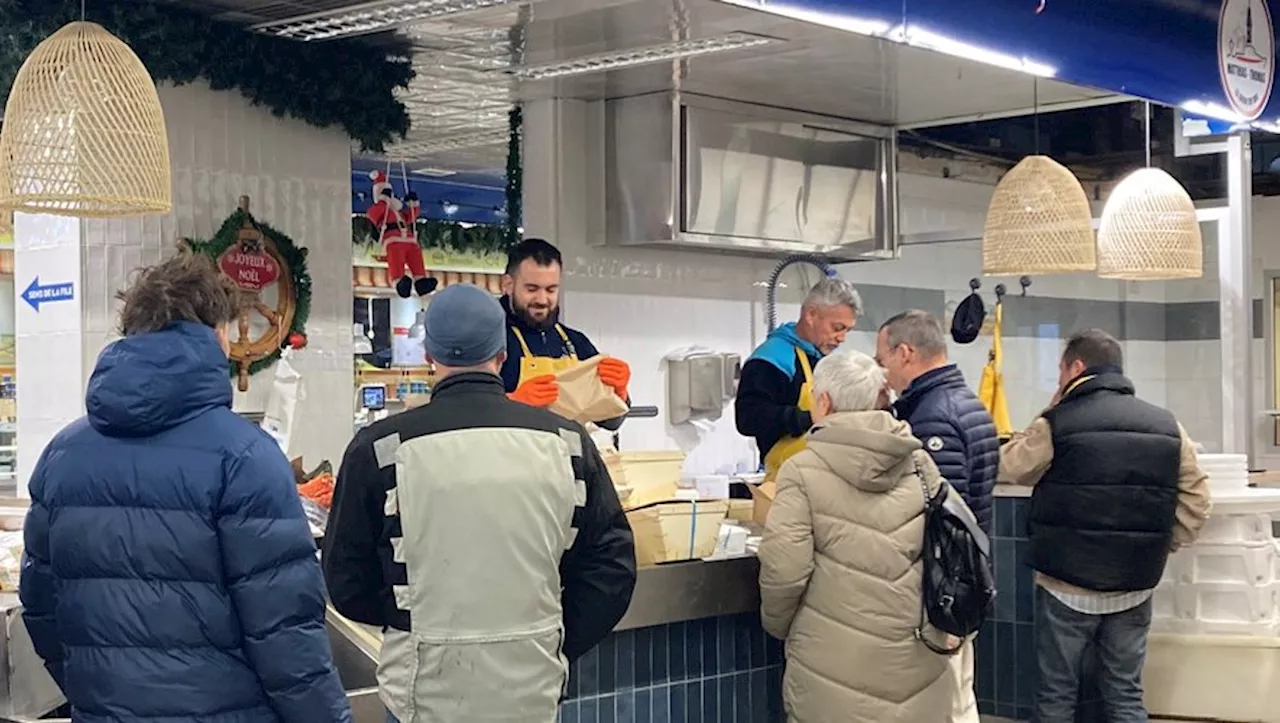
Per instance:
x=170, y=574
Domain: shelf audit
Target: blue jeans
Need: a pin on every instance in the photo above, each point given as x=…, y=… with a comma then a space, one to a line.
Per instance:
x=391, y=718
x=1064, y=635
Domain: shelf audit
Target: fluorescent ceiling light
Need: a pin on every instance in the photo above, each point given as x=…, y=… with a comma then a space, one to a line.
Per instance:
x=907, y=34
x=615, y=60
x=847, y=23
x=435, y=172
x=418, y=149
x=372, y=17
x=918, y=37
x=1223, y=113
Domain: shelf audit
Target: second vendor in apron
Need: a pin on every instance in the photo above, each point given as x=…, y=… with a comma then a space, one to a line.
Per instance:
x=775, y=396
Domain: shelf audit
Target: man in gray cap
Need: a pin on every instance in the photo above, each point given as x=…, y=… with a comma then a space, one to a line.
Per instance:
x=483, y=535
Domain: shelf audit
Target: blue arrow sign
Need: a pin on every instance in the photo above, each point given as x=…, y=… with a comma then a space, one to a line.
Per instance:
x=37, y=294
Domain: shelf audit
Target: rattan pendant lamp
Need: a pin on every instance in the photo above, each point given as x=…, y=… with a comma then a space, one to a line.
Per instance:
x=83, y=131
x=1038, y=221
x=1149, y=229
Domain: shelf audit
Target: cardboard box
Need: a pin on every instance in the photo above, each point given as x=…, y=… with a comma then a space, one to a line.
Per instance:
x=741, y=510
x=762, y=495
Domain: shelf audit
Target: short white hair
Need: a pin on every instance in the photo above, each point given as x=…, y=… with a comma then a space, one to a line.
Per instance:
x=852, y=379
x=834, y=291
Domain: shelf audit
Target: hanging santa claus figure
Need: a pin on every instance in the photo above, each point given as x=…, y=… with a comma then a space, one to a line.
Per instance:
x=396, y=223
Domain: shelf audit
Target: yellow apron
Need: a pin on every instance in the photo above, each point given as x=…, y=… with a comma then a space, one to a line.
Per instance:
x=787, y=447
x=532, y=366
x=991, y=386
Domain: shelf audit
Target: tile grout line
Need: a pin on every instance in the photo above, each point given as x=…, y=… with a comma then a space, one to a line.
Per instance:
x=654, y=686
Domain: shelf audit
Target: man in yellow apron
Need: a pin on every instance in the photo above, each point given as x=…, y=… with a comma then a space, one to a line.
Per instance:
x=775, y=392
x=538, y=345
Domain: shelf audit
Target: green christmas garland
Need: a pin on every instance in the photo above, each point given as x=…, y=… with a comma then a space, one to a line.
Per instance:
x=340, y=83
x=295, y=259
x=515, y=176
x=472, y=238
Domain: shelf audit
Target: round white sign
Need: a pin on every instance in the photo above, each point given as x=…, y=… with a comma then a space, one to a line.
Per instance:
x=1246, y=55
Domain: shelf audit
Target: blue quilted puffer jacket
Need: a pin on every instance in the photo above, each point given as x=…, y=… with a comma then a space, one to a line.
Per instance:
x=169, y=572
x=957, y=431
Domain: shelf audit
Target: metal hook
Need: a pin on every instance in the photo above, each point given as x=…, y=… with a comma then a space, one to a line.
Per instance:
x=1025, y=283
x=975, y=283
x=1000, y=292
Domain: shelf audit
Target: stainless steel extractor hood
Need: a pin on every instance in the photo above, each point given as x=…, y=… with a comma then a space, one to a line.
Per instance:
x=691, y=171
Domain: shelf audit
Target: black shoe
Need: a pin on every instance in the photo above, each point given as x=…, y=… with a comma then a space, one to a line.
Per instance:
x=425, y=285
x=404, y=287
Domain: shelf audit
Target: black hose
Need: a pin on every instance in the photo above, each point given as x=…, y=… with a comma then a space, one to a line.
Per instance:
x=771, y=292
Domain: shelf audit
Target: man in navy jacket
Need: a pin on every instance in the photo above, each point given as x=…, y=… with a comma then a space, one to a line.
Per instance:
x=955, y=429
x=943, y=412
x=169, y=573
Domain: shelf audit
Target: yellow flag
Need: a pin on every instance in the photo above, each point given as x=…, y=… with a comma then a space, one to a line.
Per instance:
x=991, y=388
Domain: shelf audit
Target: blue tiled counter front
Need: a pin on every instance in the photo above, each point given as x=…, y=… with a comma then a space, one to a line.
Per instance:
x=1005, y=654
x=716, y=670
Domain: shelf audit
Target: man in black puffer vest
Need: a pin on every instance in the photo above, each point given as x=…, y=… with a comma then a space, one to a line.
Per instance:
x=1117, y=487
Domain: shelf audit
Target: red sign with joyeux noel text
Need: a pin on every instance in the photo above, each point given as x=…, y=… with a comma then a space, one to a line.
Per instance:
x=251, y=271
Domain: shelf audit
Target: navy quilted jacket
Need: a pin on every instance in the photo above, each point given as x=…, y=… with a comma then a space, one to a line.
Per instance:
x=169, y=572
x=957, y=431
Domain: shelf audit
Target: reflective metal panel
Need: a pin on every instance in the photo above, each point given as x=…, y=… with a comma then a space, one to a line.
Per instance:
x=778, y=180
x=691, y=171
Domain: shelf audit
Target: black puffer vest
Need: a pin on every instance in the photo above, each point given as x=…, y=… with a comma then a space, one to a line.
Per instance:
x=1102, y=516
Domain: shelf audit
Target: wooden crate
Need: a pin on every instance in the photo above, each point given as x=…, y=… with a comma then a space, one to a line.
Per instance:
x=673, y=531
x=648, y=477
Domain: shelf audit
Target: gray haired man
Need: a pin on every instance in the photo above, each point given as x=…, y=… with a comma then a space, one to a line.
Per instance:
x=775, y=396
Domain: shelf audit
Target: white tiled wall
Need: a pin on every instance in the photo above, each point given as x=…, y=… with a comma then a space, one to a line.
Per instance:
x=640, y=304
x=298, y=179
x=1194, y=368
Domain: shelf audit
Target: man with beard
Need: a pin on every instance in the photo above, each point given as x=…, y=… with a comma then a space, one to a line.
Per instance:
x=538, y=345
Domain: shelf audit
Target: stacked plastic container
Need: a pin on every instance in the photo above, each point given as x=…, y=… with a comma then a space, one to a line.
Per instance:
x=1228, y=583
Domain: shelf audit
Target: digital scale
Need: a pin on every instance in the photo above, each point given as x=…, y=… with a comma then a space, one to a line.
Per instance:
x=373, y=404
x=373, y=397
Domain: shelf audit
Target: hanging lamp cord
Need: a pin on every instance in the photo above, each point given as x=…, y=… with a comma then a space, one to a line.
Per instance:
x=1035, y=111
x=1146, y=122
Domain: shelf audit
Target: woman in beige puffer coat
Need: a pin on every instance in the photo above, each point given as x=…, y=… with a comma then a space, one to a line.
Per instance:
x=841, y=566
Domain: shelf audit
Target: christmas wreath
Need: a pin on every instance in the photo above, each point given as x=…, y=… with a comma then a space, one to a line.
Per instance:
x=295, y=261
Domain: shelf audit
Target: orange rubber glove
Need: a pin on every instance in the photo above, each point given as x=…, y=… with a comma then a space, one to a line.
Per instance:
x=540, y=391
x=615, y=374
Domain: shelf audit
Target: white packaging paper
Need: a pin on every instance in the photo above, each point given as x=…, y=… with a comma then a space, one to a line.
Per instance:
x=282, y=405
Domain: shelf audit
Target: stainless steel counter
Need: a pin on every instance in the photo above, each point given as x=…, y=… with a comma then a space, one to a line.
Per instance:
x=1003, y=490
x=693, y=590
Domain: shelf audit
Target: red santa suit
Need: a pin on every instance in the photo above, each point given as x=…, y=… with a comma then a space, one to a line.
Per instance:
x=396, y=222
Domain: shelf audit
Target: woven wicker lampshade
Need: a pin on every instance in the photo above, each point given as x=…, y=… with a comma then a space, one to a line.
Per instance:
x=83, y=131
x=1038, y=222
x=1149, y=230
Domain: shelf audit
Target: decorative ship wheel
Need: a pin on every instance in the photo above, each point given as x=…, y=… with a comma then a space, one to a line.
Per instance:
x=254, y=264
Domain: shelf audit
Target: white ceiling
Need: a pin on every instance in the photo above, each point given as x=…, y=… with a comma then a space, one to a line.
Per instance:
x=458, y=93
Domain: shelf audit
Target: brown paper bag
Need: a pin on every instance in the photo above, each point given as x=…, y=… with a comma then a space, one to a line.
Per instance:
x=583, y=397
